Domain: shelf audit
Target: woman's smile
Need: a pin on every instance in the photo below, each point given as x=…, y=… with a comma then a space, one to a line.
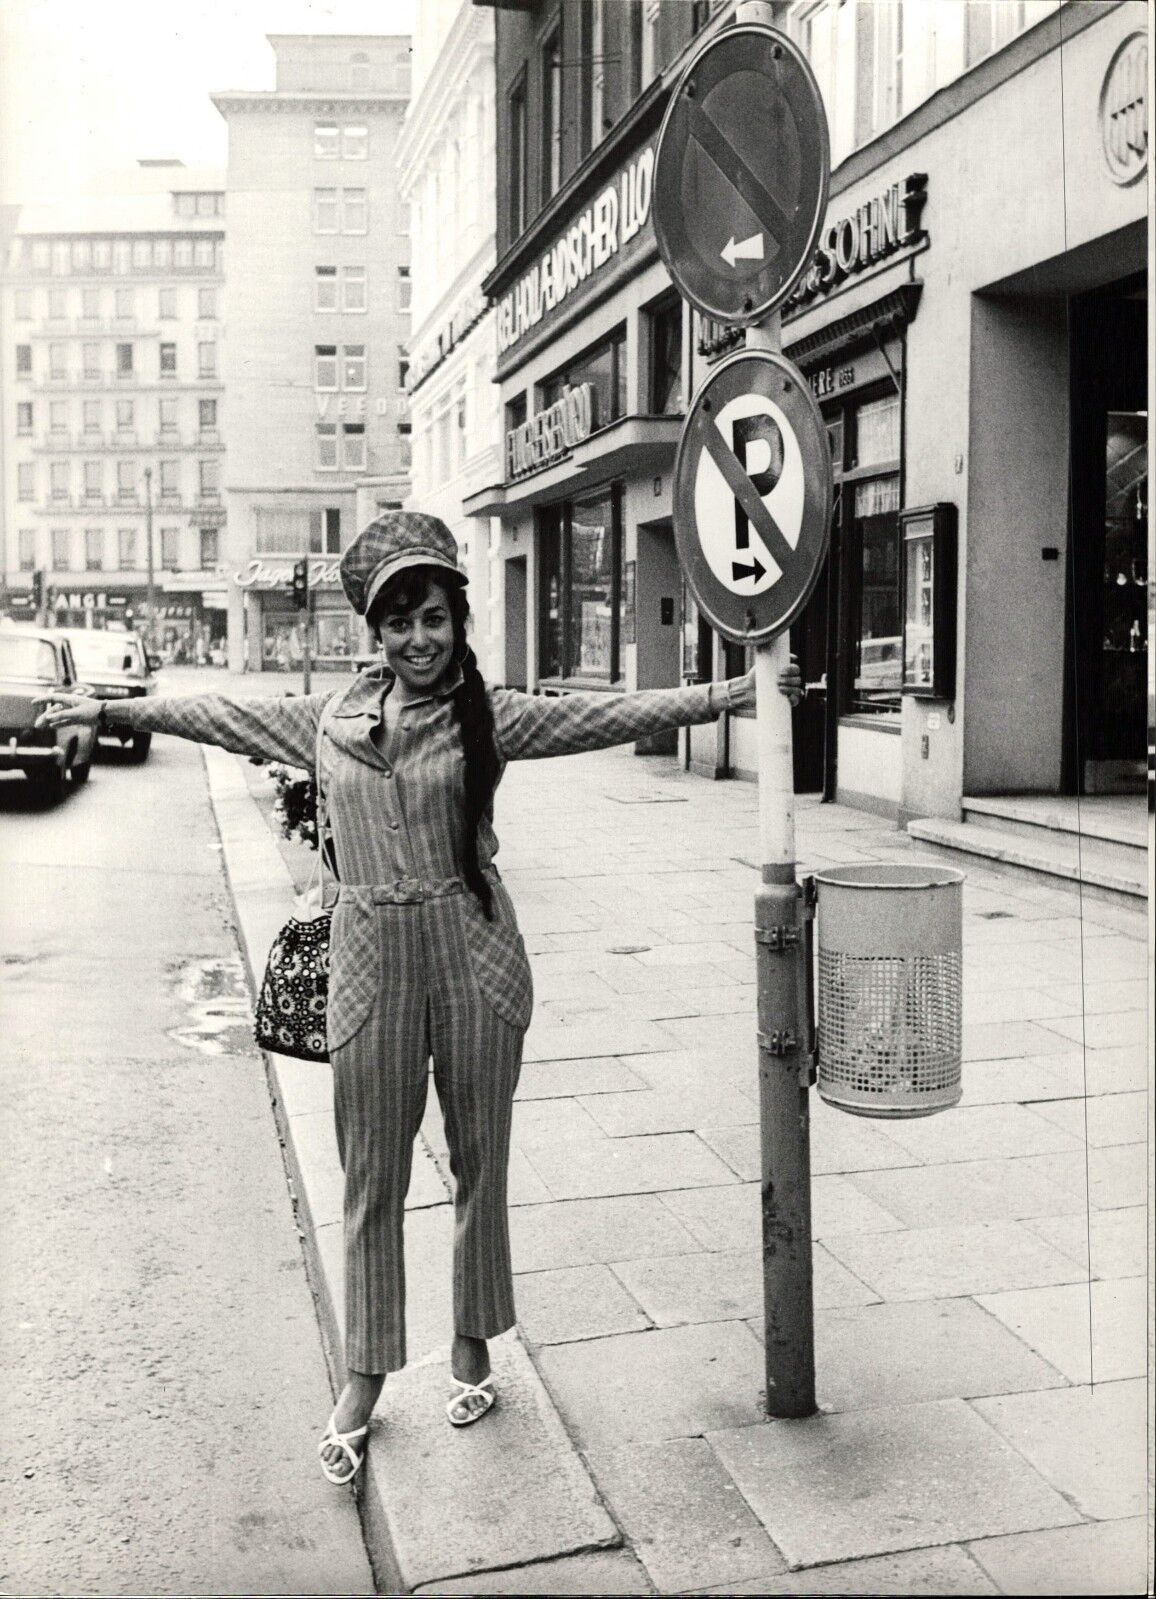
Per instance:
x=418, y=644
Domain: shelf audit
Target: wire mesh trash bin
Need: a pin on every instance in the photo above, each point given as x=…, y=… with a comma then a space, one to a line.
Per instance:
x=890, y=943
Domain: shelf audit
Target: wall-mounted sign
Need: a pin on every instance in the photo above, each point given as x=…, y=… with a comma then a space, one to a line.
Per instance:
x=356, y=406
x=85, y=600
x=842, y=376
x=1124, y=110
x=608, y=223
x=551, y=434
x=880, y=227
x=259, y=574
x=431, y=352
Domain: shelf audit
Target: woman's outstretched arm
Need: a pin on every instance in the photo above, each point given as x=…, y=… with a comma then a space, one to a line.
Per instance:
x=277, y=729
x=528, y=726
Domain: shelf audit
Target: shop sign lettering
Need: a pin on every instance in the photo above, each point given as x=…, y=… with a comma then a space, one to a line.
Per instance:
x=85, y=600
x=1124, y=111
x=352, y=405
x=550, y=434
x=432, y=352
x=830, y=380
x=878, y=228
x=260, y=574
x=607, y=224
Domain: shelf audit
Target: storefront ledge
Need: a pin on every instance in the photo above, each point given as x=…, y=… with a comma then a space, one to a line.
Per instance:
x=875, y=804
x=875, y=724
x=634, y=446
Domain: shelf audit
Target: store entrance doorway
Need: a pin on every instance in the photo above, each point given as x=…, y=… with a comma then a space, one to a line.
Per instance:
x=1107, y=646
x=514, y=599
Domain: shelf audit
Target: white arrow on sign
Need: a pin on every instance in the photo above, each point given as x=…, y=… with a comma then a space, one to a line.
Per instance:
x=743, y=250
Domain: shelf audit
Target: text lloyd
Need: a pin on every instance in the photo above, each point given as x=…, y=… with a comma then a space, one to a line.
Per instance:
x=604, y=227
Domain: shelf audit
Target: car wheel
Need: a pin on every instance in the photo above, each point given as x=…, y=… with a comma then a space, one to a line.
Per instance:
x=140, y=746
x=48, y=785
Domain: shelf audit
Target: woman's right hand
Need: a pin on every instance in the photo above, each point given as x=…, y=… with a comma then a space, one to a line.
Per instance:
x=66, y=710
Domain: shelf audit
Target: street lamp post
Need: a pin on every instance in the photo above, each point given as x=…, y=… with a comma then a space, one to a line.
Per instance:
x=152, y=589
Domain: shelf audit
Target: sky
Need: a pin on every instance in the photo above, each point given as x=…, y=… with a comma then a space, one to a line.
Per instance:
x=87, y=86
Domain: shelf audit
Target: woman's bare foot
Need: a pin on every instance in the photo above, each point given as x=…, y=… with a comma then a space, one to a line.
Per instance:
x=469, y=1362
x=354, y=1408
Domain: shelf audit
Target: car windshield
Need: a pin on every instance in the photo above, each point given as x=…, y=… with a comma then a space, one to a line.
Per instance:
x=106, y=652
x=27, y=657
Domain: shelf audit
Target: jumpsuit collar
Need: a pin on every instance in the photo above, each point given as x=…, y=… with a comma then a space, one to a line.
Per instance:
x=360, y=709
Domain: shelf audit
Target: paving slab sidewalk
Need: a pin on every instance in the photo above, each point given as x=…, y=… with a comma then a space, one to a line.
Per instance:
x=960, y=1446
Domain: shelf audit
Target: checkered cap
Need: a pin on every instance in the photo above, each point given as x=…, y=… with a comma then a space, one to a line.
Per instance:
x=391, y=542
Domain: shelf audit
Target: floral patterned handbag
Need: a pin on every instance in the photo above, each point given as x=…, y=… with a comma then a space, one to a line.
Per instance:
x=294, y=997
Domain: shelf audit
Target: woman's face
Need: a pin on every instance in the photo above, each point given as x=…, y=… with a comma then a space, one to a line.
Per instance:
x=419, y=643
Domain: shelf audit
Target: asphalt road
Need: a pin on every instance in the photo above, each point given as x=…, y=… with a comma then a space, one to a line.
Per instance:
x=162, y=1382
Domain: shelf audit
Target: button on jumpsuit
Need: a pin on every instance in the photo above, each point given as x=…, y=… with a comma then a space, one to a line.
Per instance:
x=416, y=970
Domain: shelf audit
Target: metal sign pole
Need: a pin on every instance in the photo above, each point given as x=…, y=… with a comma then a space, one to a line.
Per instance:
x=306, y=659
x=784, y=1108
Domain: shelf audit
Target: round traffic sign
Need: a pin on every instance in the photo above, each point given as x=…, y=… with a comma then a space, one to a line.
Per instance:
x=741, y=174
x=752, y=495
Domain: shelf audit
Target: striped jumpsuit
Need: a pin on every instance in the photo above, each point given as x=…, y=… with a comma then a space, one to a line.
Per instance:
x=416, y=970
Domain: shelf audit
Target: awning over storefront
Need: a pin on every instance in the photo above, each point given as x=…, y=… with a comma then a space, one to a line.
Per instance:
x=634, y=446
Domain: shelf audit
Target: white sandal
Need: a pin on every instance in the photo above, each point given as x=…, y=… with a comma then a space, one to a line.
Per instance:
x=344, y=1441
x=482, y=1390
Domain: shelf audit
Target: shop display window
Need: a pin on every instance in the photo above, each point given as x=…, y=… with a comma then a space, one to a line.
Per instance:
x=581, y=590
x=929, y=601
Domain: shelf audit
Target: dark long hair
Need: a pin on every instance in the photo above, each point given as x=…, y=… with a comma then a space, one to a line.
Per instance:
x=471, y=704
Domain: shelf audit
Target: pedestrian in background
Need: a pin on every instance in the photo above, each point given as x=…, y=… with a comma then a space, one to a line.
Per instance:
x=426, y=960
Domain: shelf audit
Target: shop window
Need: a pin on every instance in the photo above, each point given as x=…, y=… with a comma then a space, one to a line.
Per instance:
x=581, y=583
x=168, y=360
x=58, y=416
x=26, y=480
x=61, y=549
x=24, y=416
x=666, y=392
x=91, y=413
x=170, y=548
x=28, y=549
x=166, y=415
x=23, y=360
x=326, y=145
x=326, y=458
x=604, y=368
x=325, y=367
x=353, y=447
x=516, y=164
x=126, y=549
x=551, y=115
x=325, y=288
x=210, y=549
x=94, y=549
x=353, y=288
x=124, y=361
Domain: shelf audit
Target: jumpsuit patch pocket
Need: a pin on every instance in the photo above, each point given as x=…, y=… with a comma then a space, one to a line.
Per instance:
x=354, y=970
x=501, y=966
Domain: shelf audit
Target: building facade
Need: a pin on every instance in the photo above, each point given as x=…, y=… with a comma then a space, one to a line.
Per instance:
x=319, y=307
x=972, y=326
x=113, y=405
x=446, y=168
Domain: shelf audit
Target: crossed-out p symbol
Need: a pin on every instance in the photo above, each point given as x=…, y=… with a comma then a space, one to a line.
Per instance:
x=762, y=436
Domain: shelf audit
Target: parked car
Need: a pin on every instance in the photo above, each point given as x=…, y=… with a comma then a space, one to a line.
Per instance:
x=116, y=666
x=33, y=661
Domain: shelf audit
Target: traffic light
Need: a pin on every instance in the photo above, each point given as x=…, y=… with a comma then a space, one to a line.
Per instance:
x=299, y=588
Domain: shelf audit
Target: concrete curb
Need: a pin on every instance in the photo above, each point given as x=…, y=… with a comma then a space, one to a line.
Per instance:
x=437, y=1504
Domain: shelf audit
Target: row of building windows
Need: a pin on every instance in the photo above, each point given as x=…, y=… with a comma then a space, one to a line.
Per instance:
x=349, y=142
x=128, y=549
x=93, y=305
x=290, y=529
x=345, y=288
x=199, y=203
x=92, y=359
x=333, y=371
x=340, y=211
x=80, y=257
x=129, y=480
x=62, y=413
x=340, y=447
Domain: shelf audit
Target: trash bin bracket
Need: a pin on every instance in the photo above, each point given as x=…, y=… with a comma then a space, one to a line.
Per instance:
x=777, y=938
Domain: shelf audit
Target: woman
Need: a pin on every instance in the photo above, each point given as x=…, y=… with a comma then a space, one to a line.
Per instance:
x=426, y=958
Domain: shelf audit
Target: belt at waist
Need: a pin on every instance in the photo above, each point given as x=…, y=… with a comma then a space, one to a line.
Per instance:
x=405, y=890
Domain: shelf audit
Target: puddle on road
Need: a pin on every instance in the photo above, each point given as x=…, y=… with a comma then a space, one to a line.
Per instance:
x=219, y=1018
